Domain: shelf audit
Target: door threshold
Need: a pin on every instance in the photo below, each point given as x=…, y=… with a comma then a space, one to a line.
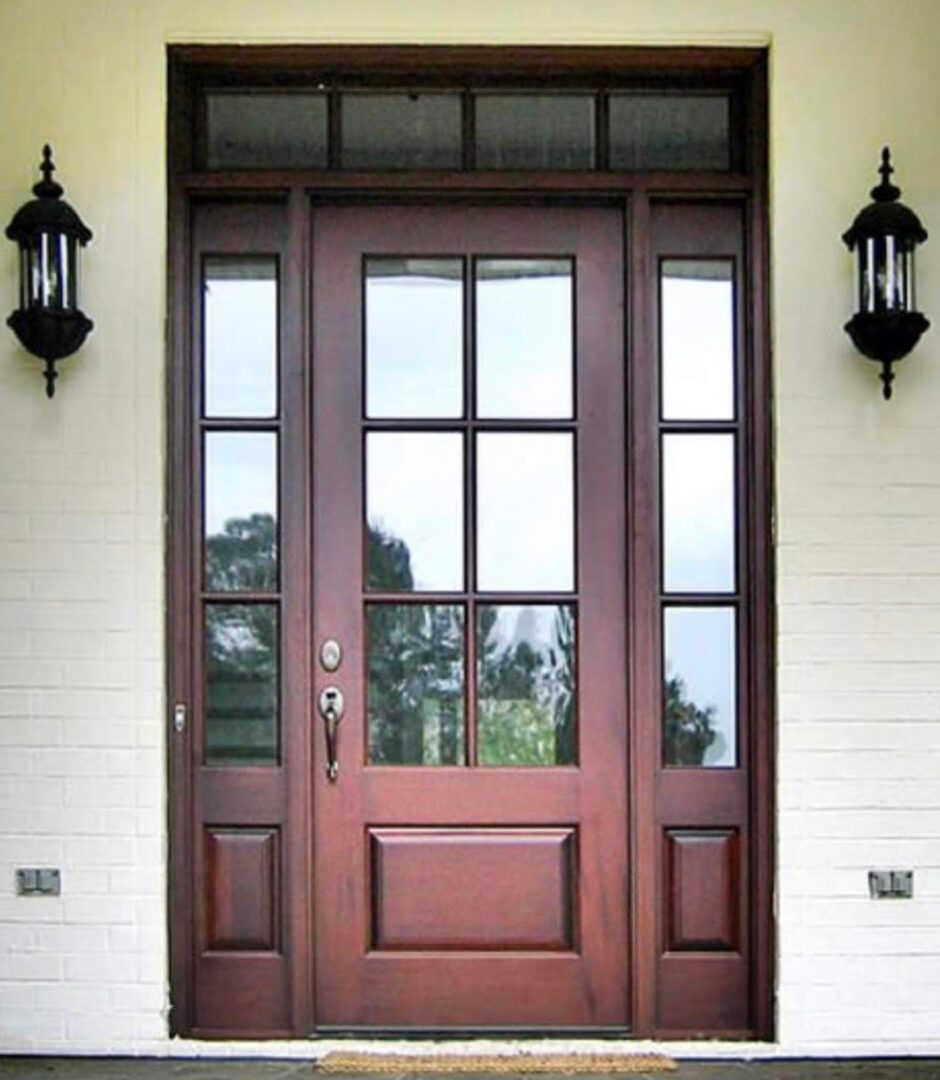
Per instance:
x=328, y=1032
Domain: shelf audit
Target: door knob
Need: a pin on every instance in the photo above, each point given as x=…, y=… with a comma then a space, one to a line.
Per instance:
x=332, y=704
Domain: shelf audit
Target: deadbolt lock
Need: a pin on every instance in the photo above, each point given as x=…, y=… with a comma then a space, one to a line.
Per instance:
x=331, y=655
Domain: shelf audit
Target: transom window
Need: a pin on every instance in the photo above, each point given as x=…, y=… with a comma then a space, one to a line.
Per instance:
x=506, y=128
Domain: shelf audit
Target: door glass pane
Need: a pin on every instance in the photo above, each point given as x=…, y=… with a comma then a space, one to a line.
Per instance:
x=266, y=131
x=698, y=513
x=241, y=684
x=699, y=656
x=525, y=338
x=526, y=685
x=401, y=131
x=525, y=512
x=241, y=510
x=240, y=351
x=414, y=338
x=697, y=339
x=534, y=131
x=670, y=131
x=416, y=681
x=414, y=511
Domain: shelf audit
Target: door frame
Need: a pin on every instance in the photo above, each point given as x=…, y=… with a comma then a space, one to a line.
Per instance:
x=190, y=69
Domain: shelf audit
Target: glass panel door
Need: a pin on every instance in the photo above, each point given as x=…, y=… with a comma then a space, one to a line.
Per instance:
x=468, y=547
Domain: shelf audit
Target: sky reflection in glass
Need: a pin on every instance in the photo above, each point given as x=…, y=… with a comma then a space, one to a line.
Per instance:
x=414, y=338
x=698, y=513
x=414, y=495
x=697, y=326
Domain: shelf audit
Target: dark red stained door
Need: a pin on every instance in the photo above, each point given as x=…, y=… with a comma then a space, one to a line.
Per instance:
x=471, y=854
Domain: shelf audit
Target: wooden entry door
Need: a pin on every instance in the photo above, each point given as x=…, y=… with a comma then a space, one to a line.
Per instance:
x=470, y=852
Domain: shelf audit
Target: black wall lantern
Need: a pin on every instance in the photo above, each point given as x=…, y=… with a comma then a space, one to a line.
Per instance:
x=48, y=321
x=886, y=324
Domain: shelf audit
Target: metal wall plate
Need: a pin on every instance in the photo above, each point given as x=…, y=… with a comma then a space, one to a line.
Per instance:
x=891, y=884
x=38, y=881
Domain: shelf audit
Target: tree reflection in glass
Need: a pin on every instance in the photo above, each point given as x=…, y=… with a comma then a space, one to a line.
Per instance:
x=241, y=511
x=416, y=667
x=526, y=702
x=241, y=684
x=415, y=684
x=699, y=711
x=243, y=556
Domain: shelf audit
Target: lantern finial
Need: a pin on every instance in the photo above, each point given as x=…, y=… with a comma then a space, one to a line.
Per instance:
x=47, y=188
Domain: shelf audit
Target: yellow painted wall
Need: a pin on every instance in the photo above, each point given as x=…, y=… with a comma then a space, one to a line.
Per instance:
x=858, y=512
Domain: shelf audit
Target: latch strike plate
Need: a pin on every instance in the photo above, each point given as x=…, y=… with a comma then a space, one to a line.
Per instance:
x=179, y=719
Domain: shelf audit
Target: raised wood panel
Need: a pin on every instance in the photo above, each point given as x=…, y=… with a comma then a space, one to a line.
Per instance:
x=473, y=889
x=245, y=993
x=703, y=994
x=242, y=898
x=702, y=890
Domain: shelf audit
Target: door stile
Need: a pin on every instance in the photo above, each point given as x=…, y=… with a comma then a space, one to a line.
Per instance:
x=179, y=639
x=642, y=487
x=760, y=467
x=297, y=598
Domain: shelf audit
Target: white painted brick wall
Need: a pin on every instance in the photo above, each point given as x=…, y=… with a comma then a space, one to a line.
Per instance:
x=82, y=780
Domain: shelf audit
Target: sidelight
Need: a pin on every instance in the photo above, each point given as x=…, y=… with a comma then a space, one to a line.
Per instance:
x=240, y=336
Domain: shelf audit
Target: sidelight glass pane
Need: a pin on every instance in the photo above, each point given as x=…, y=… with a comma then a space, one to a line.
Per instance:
x=697, y=338
x=699, y=725
x=525, y=512
x=526, y=685
x=266, y=131
x=525, y=338
x=534, y=131
x=698, y=513
x=240, y=332
x=241, y=510
x=401, y=131
x=414, y=511
x=241, y=707
x=416, y=684
x=670, y=131
x=414, y=337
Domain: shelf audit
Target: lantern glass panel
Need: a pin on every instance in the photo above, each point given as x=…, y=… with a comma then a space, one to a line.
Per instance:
x=25, y=275
x=54, y=276
x=33, y=275
x=68, y=265
x=886, y=274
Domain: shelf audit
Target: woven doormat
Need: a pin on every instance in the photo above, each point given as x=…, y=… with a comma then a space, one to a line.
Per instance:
x=338, y=1062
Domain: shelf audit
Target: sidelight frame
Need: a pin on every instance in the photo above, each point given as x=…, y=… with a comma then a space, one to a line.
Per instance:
x=742, y=73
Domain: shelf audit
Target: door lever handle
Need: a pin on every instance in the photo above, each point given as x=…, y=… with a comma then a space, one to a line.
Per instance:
x=332, y=704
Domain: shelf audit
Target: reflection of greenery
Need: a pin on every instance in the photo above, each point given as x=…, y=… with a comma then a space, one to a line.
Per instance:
x=416, y=675
x=526, y=694
x=241, y=644
x=688, y=731
x=244, y=555
x=241, y=682
x=415, y=667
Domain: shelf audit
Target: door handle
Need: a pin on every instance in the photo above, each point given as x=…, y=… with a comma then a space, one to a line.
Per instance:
x=332, y=704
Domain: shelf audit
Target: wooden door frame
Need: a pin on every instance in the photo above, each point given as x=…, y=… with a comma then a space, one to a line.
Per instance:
x=189, y=68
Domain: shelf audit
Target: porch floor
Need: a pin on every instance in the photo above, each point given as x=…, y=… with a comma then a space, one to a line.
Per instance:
x=56, y=1068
